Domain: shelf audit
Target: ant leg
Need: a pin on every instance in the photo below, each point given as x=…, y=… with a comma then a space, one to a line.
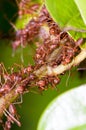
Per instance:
x=13, y=85
x=13, y=119
x=68, y=78
x=19, y=102
x=3, y=68
x=17, y=66
x=74, y=29
x=0, y=75
x=4, y=73
x=7, y=115
x=22, y=55
x=9, y=21
x=81, y=69
x=17, y=2
x=0, y=81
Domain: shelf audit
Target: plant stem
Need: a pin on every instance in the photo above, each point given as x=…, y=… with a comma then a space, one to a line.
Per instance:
x=48, y=70
x=10, y=97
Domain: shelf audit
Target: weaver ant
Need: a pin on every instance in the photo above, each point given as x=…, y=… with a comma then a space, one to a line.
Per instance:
x=11, y=117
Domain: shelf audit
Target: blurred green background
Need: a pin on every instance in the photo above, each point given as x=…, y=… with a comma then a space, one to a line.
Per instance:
x=33, y=104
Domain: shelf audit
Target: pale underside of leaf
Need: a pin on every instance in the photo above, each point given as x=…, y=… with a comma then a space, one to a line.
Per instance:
x=66, y=112
x=81, y=4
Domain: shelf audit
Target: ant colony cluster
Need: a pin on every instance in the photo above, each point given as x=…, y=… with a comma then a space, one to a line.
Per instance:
x=53, y=48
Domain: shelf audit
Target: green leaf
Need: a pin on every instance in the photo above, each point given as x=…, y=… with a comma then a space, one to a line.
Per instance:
x=67, y=15
x=81, y=4
x=66, y=112
x=21, y=23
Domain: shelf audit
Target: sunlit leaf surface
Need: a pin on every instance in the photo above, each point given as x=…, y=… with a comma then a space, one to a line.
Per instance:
x=66, y=13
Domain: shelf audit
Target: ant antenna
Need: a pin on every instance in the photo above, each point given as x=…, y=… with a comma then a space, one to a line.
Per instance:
x=22, y=59
x=20, y=101
x=74, y=29
x=22, y=55
x=68, y=78
x=81, y=69
x=17, y=2
x=14, y=27
x=6, y=113
x=3, y=68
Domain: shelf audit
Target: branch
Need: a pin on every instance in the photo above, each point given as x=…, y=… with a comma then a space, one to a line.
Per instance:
x=48, y=70
x=6, y=100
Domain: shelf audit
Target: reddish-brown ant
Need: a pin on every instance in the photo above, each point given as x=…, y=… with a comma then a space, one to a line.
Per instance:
x=27, y=7
x=53, y=80
x=41, y=84
x=11, y=114
x=79, y=42
x=4, y=79
x=9, y=81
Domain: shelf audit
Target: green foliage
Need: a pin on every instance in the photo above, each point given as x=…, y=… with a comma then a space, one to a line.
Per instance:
x=82, y=8
x=66, y=112
x=68, y=15
x=21, y=23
